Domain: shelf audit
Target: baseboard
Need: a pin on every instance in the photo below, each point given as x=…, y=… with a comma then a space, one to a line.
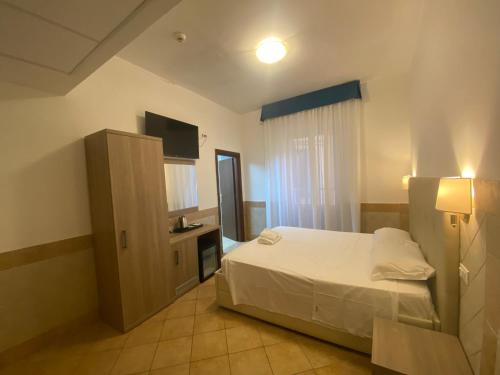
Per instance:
x=187, y=286
x=36, y=343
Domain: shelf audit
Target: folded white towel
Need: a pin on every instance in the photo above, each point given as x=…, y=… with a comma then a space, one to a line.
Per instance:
x=268, y=237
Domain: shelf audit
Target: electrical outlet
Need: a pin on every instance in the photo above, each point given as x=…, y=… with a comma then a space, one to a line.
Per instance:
x=464, y=274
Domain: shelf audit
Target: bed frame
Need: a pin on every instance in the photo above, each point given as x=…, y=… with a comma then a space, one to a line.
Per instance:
x=439, y=243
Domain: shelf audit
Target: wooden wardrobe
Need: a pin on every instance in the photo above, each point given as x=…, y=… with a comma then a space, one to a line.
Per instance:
x=130, y=225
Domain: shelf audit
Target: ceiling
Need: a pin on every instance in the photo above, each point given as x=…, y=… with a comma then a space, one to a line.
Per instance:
x=329, y=42
x=53, y=45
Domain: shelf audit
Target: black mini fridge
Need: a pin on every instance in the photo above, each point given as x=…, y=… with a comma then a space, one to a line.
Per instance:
x=208, y=261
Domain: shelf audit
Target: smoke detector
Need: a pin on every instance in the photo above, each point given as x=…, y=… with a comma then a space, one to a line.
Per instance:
x=180, y=37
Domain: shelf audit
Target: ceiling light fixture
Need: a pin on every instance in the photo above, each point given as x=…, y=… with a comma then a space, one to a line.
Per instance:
x=271, y=50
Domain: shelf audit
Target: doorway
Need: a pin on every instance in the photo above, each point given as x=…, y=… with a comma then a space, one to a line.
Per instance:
x=230, y=197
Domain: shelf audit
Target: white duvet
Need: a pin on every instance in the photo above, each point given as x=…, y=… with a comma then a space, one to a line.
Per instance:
x=321, y=276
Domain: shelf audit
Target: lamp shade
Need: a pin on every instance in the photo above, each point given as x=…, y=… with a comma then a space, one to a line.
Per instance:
x=405, y=182
x=455, y=195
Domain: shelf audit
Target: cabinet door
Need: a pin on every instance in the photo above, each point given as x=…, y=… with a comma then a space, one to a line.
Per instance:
x=141, y=224
x=185, y=261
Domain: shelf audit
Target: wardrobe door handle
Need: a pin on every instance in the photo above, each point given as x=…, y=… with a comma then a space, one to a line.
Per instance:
x=123, y=239
x=176, y=257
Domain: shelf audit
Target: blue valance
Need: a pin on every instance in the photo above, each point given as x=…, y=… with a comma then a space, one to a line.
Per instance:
x=315, y=99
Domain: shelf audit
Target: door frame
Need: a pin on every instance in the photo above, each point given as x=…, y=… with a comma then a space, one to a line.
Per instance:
x=238, y=193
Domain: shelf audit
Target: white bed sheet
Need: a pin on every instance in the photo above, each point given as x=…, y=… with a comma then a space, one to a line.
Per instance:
x=321, y=276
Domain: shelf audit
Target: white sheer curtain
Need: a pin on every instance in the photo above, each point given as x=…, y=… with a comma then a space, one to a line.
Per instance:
x=312, y=166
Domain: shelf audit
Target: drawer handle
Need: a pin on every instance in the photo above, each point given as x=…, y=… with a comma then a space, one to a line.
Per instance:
x=123, y=239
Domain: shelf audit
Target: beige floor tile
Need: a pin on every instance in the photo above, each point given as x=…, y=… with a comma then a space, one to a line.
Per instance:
x=320, y=353
x=257, y=323
x=54, y=352
x=287, y=358
x=212, y=366
x=234, y=319
x=178, y=327
x=146, y=333
x=206, y=305
x=57, y=366
x=160, y=316
x=242, y=338
x=136, y=359
x=172, y=352
x=110, y=343
x=206, y=291
x=109, y=339
x=208, y=322
x=77, y=343
x=250, y=362
x=210, y=281
x=347, y=369
x=189, y=296
x=349, y=363
x=174, y=370
x=207, y=345
x=98, y=363
x=271, y=334
x=16, y=368
x=181, y=309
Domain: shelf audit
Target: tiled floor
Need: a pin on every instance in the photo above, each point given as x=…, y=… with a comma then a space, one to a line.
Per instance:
x=192, y=336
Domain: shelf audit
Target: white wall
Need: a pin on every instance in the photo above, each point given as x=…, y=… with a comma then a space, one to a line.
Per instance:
x=385, y=144
x=43, y=186
x=254, y=157
x=385, y=139
x=456, y=90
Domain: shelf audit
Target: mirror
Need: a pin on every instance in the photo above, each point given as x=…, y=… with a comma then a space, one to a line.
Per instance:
x=182, y=186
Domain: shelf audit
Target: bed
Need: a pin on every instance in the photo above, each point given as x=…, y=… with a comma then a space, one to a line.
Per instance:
x=318, y=282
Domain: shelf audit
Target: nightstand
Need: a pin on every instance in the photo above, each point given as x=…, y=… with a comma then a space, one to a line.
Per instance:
x=404, y=349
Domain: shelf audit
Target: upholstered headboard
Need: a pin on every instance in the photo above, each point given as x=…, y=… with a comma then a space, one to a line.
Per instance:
x=439, y=242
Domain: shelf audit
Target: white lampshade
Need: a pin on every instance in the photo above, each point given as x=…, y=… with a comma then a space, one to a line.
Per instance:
x=405, y=181
x=455, y=195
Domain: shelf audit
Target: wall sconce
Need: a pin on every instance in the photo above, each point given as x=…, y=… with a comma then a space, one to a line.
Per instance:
x=455, y=196
x=405, y=181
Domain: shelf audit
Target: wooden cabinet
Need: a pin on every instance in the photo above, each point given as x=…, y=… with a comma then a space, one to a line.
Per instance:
x=184, y=255
x=185, y=264
x=130, y=225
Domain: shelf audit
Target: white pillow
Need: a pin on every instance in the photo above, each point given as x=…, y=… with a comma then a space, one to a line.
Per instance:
x=392, y=234
x=395, y=256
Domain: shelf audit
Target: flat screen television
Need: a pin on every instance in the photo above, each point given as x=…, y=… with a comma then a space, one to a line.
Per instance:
x=180, y=140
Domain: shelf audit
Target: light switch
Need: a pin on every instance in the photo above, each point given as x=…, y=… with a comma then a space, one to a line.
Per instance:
x=464, y=274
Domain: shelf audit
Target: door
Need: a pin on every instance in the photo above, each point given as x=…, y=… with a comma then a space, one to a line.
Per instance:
x=141, y=224
x=228, y=167
x=228, y=197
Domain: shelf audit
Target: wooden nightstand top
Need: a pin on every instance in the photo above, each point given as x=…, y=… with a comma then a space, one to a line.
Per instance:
x=401, y=348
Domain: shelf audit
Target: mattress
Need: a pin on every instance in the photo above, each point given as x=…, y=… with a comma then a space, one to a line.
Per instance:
x=324, y=277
